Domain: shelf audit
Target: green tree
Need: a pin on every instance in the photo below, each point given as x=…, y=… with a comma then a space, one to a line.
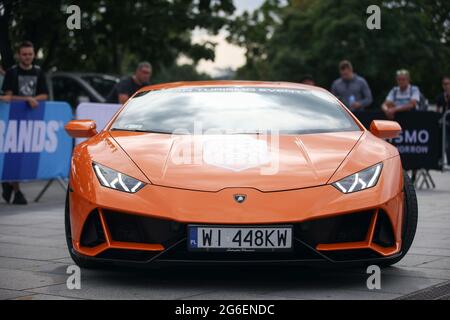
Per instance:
x=312, y=36
x=179, y=73
x=114, y=35
x=253, y=32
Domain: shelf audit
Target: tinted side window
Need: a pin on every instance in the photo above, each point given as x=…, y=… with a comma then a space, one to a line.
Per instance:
x=67, y=89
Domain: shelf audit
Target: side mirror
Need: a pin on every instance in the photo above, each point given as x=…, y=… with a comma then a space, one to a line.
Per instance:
x=81, y=128
x=385, y=129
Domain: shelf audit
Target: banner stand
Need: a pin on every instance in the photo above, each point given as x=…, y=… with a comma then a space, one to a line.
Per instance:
x=62, y=182
x=424, y=179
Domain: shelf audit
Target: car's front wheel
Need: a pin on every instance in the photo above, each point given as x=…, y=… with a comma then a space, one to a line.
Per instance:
x=409, y=220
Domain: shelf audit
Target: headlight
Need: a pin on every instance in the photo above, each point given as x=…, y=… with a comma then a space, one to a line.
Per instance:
x=364, y=179
x=115, y=180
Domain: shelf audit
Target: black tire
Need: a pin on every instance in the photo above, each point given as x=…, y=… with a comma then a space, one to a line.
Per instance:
x=79, y=261
x=409, y=222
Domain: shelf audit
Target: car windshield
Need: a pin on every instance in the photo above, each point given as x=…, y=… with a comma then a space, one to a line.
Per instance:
x=234, y=110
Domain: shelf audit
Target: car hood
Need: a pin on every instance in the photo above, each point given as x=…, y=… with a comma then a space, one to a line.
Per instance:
x=215, y=162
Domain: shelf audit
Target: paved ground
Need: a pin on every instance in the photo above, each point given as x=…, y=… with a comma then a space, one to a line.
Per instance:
x=34, y=260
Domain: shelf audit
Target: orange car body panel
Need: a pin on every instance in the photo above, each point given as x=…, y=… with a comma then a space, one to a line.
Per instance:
x=81, y=128
x=200, y=193
x=304, y=161
x=385, y=128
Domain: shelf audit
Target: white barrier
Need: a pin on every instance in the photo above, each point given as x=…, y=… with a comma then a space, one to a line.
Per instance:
x=101, y=113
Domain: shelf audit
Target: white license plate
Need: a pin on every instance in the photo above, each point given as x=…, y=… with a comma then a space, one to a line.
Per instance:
x=231, y=238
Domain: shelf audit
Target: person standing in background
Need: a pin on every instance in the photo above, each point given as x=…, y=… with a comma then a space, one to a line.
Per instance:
x=403, y=97
x=351, y=88
x=2, y=76
x=443, y=105
x=24, y=81
x=443, y=99
x=308, y=79
x=129, y=85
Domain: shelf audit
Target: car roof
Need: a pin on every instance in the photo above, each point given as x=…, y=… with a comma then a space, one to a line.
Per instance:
x=230, y=83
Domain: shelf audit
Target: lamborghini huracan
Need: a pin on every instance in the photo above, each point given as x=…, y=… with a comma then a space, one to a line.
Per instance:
x=237, y=172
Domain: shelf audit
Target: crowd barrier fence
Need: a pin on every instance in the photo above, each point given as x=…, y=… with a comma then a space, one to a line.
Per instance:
x=33, y=142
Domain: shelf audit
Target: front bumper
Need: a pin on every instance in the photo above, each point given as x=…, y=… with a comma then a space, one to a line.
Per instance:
x=175, y=251
x=355, y=237
x=329, y=226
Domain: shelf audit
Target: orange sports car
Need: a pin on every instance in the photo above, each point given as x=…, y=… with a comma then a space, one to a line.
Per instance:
x=234, y=171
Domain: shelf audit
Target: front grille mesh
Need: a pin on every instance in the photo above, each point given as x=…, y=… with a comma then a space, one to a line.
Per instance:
x=139, y=229
x=307, y=235
x=346, y=228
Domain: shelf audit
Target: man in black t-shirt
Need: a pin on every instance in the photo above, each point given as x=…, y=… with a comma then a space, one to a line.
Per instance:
x=24, y=81
x=129, y=85
x=443, y=105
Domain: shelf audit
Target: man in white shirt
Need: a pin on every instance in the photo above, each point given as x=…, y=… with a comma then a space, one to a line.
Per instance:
x=404, y=97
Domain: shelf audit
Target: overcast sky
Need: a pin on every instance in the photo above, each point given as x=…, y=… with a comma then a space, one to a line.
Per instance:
x=227, y=55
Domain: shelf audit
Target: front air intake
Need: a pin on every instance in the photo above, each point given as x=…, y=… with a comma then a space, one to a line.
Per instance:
x=339, y=229
x=383, y=235
x=140, y=229
x=92, y=234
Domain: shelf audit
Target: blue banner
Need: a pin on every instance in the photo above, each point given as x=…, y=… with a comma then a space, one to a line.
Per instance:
x=33, y=142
